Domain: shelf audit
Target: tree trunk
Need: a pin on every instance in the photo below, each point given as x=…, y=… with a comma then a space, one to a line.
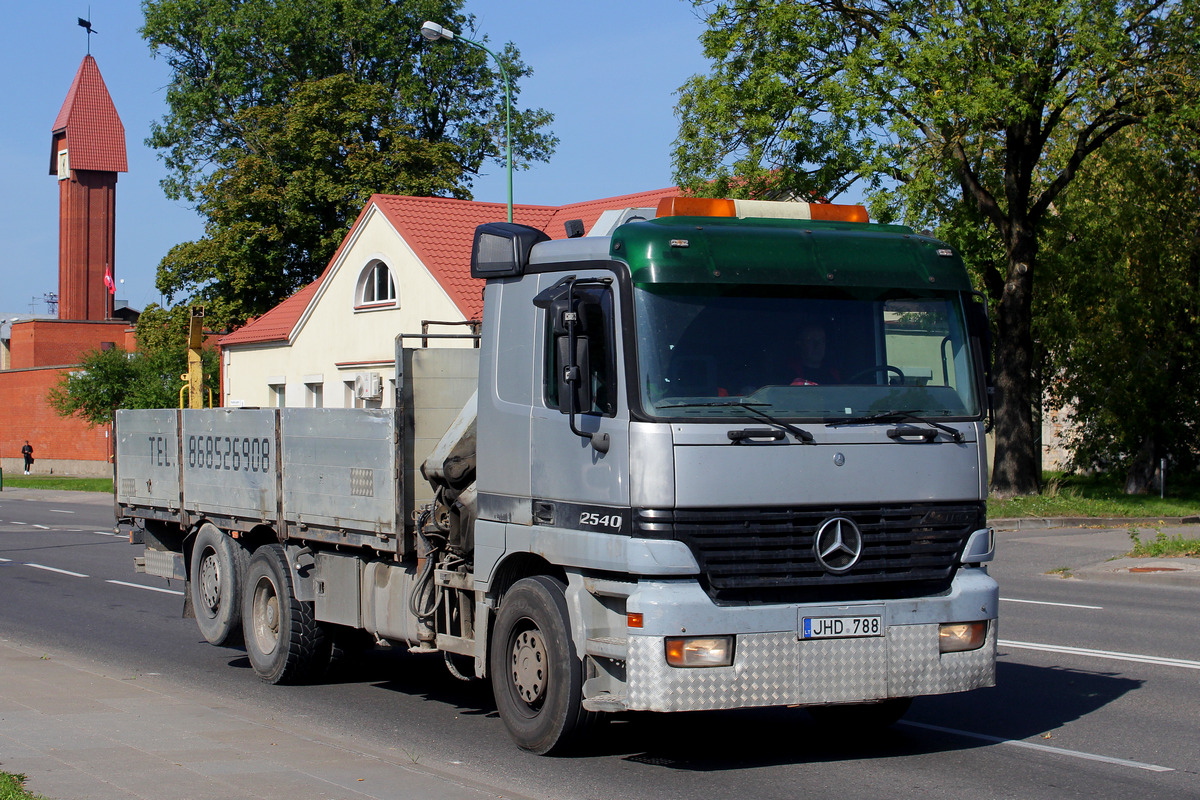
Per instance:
x=1016, y=466
x=1140, y=477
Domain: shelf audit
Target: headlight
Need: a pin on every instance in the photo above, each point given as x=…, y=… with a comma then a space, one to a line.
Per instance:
x=700, y=651
x=958, y=637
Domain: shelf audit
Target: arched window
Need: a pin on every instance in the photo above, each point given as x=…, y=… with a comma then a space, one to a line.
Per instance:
x=376, y=287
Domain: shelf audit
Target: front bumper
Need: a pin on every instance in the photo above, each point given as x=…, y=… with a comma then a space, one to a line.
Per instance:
x=774, y=666
x=772, y=669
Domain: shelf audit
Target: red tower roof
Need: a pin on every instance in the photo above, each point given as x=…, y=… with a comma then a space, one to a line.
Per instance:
x=95, y=137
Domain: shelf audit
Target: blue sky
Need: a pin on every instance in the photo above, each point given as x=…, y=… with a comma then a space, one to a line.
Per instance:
x=608, y=71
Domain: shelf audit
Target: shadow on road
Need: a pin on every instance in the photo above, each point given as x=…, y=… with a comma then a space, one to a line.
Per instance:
x=1028, y=702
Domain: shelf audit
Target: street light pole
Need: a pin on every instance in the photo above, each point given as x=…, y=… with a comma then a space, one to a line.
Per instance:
x=432, y=31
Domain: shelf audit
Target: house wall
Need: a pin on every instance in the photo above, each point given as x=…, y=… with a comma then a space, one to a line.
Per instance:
x=1056, y=425
x=336, y=341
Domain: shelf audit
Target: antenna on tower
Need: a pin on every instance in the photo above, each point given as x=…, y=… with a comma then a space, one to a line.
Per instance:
x=87, y=25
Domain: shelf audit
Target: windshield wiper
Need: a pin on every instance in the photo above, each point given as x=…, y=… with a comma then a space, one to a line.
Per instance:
x=897, y=416
x=753, y=408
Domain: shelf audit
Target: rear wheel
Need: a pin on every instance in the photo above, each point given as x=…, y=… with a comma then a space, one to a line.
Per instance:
x=536, y=675
x=283, y=640
x=215, y=580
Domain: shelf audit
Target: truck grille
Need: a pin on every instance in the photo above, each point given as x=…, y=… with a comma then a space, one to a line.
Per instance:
x=767, y=555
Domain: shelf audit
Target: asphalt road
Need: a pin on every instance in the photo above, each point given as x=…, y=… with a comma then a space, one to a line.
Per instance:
x=1098, y=695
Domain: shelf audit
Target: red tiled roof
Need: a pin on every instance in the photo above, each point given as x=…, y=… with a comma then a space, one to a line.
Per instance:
x=276, y=325
x=440, y=231
x=95, y=137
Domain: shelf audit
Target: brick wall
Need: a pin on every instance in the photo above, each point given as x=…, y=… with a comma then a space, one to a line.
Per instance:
x=54, y=342
x=27, y=415
x=40, y=352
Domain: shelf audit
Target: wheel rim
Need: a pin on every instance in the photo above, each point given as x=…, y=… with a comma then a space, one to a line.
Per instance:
x=266, y=616
x=210, y=582
x=528, y=666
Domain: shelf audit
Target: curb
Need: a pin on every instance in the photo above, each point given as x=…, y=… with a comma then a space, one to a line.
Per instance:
x=1042, y=523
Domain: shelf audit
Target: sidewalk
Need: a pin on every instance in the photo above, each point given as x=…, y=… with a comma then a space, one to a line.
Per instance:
x=80, y=734
x=1096, y=546
x=57, y=496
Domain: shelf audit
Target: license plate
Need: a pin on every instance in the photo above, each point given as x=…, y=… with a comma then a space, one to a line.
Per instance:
x=840, y=627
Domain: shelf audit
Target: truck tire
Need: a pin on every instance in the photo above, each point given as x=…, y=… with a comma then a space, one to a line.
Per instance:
x=862, y=717
x=536, y=675
x=283, y=640
x=215, y=580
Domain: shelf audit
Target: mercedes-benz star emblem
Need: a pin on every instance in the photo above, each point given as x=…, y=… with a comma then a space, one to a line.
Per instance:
x=838, y=545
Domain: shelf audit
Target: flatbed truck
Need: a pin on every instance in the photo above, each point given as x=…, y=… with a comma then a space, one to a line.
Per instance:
x=625, y=499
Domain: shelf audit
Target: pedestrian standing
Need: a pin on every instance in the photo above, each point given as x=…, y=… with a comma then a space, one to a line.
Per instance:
x=27, y=451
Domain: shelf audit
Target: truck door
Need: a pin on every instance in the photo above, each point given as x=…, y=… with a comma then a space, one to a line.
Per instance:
x=580, y=461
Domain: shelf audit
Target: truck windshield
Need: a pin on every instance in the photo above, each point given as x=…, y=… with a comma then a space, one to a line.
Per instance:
x=802, y=355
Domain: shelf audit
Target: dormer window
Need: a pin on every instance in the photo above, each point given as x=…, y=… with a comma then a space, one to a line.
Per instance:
x=376, y=287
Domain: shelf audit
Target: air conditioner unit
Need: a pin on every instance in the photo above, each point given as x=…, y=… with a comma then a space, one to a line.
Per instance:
x=368, y=386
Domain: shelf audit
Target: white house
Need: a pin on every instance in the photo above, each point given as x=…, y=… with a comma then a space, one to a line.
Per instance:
x=404, y=268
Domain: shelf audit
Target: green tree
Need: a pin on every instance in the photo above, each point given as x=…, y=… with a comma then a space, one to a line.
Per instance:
x=285, y=117
x=966, y=116
x=107, y=380
x=1121, y=326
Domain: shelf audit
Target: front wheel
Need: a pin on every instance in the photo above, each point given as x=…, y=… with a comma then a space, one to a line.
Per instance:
x=536, y=676
x=283, y=639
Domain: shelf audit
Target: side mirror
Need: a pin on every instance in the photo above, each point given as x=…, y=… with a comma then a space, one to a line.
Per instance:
x=502, y=249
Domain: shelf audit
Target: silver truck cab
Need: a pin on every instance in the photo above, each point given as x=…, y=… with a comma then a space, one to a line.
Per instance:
x=732, y=526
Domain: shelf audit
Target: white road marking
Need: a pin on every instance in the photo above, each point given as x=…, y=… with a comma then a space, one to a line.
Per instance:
x=148, y=588
x=1046, y=603
x=60, y=511
x=110, y=533
x=55, y=569
x=42, y=527
x=18, y=522
x=1041, y=747
x=1112, y=654
x=6, y=560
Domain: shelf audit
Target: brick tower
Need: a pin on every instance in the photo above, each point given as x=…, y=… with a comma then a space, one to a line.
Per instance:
x=87, y=151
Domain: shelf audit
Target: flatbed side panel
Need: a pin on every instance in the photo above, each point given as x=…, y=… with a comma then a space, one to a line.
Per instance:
x=147, y=449
x=340, y=468
x=230, y=462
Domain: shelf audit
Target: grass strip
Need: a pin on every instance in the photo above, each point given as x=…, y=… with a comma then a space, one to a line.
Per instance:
x=58, y=482
x=1099, y=496
x=1163, y=546
x=12, y=787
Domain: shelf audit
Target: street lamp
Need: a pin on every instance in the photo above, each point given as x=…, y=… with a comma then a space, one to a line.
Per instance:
x=432, y=31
